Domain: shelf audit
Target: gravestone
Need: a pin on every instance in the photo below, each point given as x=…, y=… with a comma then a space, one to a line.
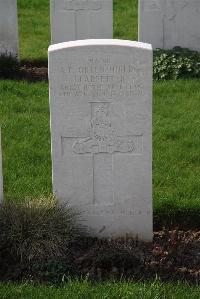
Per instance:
x=1, y=175
x=170, y=23
x=8, y=28
x=100, y=103
x=80, y=19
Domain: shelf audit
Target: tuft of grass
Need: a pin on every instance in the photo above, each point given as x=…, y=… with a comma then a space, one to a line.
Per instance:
x=36, y=230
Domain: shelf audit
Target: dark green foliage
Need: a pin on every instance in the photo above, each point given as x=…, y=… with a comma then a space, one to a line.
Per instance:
x=53, y=270
x=36, y=230
x=176, y=64
x=8, y=65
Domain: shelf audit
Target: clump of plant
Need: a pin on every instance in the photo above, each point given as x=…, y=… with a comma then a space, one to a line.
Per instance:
x=177, y=63
x=37, y=230
x=9, y=65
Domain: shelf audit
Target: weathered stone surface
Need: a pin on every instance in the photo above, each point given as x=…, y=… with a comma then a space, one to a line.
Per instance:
x=8, y=27
x=100, y=102
x=1, y=174
x=81, y=19
x=170, y=23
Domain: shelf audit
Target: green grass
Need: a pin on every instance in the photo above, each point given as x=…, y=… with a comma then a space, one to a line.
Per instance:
x=34, y=29
x=126, y=19
x=24, y=115
x=176, y=164
x=86, y=290
x=34, y=26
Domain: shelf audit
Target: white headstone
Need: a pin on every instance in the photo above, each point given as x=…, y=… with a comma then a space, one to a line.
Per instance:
x=8, y=28
x=101, y=102
x=80, y=19
x=1, y=174
x=170, y=23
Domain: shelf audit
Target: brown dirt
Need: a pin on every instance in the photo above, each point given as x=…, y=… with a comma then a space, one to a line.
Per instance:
x=27, y=72
x=34, y=73
x=173, y=255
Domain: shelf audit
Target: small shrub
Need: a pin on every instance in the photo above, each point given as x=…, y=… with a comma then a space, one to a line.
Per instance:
x=9, y=65
x=36, y=230
x=176, y=64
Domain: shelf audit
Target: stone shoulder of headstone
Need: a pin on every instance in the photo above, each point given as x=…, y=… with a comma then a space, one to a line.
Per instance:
x=81, y=19
x=170, y=23
x=101, y=42
x=1, y=172
x=9, y=42
x=101, y=133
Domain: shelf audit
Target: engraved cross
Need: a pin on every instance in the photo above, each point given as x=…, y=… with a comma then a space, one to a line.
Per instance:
x=102, y=143
x=77, y=6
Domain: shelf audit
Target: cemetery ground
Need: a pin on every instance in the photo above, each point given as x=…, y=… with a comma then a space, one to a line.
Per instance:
x=24, y=115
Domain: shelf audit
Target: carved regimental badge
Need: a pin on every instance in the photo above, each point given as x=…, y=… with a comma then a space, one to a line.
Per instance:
x=103, y=137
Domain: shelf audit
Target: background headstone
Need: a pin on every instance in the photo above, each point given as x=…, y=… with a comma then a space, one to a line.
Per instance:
x=9, y=27
x=170, y=23
x=1, y=174
x=81, y=19
x=100, y=103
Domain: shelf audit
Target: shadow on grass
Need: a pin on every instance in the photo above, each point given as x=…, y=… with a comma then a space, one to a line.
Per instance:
x=35, y=62
x=180, y=219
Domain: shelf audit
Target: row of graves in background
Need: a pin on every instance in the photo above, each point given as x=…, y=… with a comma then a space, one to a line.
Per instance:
x=162, y=23
x=169, y=23
x=70, y=20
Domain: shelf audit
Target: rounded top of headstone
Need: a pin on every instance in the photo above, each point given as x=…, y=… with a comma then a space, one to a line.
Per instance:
x=99, y=42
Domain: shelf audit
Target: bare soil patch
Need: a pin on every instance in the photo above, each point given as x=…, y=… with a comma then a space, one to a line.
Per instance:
x=28, y=72
x=172, y=256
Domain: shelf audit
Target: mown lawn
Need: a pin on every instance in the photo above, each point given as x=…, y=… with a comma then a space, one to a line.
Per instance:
x=24, y=114
x=176, y=144
x=85, y=290
x=34, y=26
x=34, y=29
